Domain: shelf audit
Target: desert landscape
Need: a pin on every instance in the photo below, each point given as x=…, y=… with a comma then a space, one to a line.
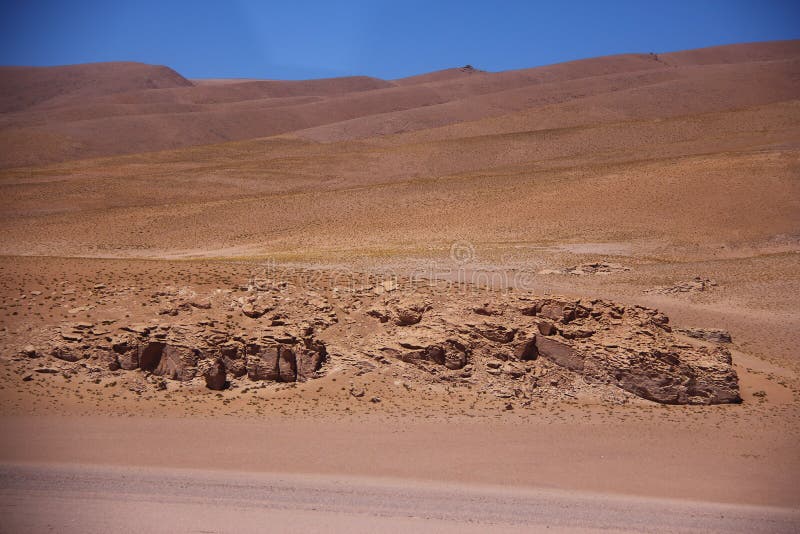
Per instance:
x=557, y=298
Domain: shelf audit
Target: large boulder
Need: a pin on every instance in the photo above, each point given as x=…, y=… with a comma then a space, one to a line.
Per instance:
x=213, y=371
x=262, y=361
x=559, y=353
x=557, y=309
x=455, y=354
x=496, y=332
x=233, y=358
x=450, y=354
x=309, y=357
x=409, y=313
x=707, y=334
x=107, y=359
x=127, y=353
x=178, y=362
x=287, y=364
x=148, y=354
x=527, y=350
x=67, y=354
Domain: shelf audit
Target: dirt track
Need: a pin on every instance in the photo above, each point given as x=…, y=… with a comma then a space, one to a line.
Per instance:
x=96, y=499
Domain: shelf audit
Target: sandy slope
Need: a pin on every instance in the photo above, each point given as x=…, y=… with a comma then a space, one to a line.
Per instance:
x=648, y=182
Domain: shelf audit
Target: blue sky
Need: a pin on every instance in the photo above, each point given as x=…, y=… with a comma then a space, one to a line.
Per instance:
x=296, y=39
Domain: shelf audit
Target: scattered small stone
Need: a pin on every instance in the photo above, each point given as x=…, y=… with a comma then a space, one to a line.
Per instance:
x=71, y=336
x=589, y=269
x=695, y=285
x=64, y=353
x=252, y=311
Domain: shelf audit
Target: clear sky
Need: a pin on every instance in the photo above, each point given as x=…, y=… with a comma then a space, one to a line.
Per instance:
x=293, y=39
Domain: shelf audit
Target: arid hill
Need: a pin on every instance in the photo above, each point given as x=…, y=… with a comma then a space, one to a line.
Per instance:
x=54, y=114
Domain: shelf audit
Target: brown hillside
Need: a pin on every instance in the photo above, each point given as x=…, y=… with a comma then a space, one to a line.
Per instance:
x=62, y=113
x=23, y=87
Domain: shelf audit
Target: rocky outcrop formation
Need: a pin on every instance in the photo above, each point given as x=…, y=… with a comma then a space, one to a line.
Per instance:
x=513, y=346
x=590, y=341
x=595, y=340
x=184, y=352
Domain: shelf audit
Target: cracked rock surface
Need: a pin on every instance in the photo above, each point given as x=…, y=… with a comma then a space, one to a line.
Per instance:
x=504, y=344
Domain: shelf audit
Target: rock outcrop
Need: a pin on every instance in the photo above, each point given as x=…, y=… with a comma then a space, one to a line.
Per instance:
x=591, y=341
x=511, y=346
x=634, y=348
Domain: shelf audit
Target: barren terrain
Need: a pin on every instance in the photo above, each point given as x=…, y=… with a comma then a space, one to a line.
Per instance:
x=579, y=278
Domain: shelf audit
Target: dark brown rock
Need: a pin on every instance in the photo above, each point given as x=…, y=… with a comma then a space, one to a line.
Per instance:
x=233, y=359
x=127, y=353
x=577, y=333
x=381, y=314
x=708, y=334
x=262, y=362
x=407, y=314
x=527, y=350
x=310, y=357
x=455, y=354
x=251, y=311
x=65, y=353
x=486, y=309
x=149, y=355
x=236, y=368
x=496, y=332
x=129, y=360
x=547, y=328
x=108, y=359
x=696, y=377
x=559, y=353
x=449, y=353
x=178, y=363
x=557, y=311
x=213, y=371
x=287, y=364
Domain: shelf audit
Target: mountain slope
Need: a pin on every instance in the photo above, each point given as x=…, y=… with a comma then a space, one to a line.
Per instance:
x=54, y=114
